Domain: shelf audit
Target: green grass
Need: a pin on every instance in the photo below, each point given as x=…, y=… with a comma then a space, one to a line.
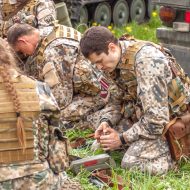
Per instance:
x=145, y=31
x=178, y=180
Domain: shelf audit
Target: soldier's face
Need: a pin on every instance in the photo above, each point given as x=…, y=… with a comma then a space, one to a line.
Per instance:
x=26, y=48
x=107, y=62
x=27, y=44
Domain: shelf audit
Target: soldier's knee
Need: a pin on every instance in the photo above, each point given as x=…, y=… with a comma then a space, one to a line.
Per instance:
x=157, y=166
x=129, y=161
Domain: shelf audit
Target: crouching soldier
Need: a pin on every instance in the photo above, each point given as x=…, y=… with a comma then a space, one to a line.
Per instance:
x=157, y=90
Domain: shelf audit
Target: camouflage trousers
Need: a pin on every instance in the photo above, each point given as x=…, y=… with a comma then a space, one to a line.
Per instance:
x=152, y=156
x=146, y=155
x=44, y=180
x=41, y=180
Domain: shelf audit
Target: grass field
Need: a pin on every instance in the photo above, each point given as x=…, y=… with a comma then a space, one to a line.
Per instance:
x=174, y=180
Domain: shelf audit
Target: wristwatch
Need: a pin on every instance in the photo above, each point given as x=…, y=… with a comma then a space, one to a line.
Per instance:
x=122, y=138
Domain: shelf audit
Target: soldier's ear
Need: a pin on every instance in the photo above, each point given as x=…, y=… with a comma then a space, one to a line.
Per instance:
x=20, y=41
x=111, y=46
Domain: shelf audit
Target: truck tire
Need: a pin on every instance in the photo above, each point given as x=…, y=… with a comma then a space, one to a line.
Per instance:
x=137, y=10
x=151, y=8
x=121, y=13
x=84, y=15
x=102, y=14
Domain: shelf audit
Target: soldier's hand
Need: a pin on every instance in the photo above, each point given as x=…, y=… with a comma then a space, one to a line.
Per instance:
x=110, y=140
x=102, y=129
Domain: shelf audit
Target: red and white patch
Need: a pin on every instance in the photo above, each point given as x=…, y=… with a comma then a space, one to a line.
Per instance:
x=104, y=88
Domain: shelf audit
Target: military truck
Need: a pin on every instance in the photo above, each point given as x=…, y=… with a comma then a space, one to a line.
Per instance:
x=104, y=12
x=176, y=36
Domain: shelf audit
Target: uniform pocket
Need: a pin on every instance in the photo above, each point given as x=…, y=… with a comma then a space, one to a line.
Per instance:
x=50, y=75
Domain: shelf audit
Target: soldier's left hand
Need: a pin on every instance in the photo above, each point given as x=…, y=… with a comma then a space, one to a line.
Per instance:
x=110, y=140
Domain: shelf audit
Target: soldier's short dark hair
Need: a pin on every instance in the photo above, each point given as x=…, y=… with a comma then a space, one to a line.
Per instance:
x=18, y=30
x=96, y=40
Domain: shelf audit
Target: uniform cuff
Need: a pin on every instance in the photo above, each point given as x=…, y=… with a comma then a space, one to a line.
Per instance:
x=106, y=120
x=131, y=134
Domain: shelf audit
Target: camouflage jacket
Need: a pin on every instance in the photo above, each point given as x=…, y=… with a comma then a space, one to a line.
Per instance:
x=39, y=13
x=146, y=95
x=49, y=109
x=69, y=74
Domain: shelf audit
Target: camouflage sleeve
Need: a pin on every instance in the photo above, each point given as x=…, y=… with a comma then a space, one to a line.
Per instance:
x=111, y=112
x=153, y=75
x=47, y=100
x=85, y=78
x=49, y=109
x=112, y=95
x=89, y=80
x=57, y=71
x=40, y=16
x=45, y=16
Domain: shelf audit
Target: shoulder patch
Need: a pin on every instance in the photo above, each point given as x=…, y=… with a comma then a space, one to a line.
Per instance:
x=104, y=93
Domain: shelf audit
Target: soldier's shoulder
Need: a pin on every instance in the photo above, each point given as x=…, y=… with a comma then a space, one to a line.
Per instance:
x=149, y=50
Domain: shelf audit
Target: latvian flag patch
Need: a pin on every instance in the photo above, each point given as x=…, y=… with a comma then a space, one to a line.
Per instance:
x=104, y=88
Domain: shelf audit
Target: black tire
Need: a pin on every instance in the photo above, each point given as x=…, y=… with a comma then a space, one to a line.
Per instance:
x=121, y=13
x=84, y=15
x=102, y=14
x=150, y=8
x=137, y=10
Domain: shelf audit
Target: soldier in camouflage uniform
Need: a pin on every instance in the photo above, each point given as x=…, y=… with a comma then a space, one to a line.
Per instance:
x=146, y=74
x=39, y=13
x=28, y=110
x=80, y=90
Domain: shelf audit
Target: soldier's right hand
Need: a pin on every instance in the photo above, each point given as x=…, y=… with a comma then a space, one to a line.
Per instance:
x=101, y=130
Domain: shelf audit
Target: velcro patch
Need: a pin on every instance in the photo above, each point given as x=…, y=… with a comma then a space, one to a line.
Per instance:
x=104, y=93
x=49, y=19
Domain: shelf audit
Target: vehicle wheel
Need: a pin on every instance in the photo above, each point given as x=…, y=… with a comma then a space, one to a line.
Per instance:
x=137, y=10
x=83, y=15
x=102, y=14
x=151, y=7
x=121, y=13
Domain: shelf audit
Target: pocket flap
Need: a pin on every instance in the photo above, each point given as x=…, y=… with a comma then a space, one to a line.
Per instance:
x=50, y=75
x=178, y=129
